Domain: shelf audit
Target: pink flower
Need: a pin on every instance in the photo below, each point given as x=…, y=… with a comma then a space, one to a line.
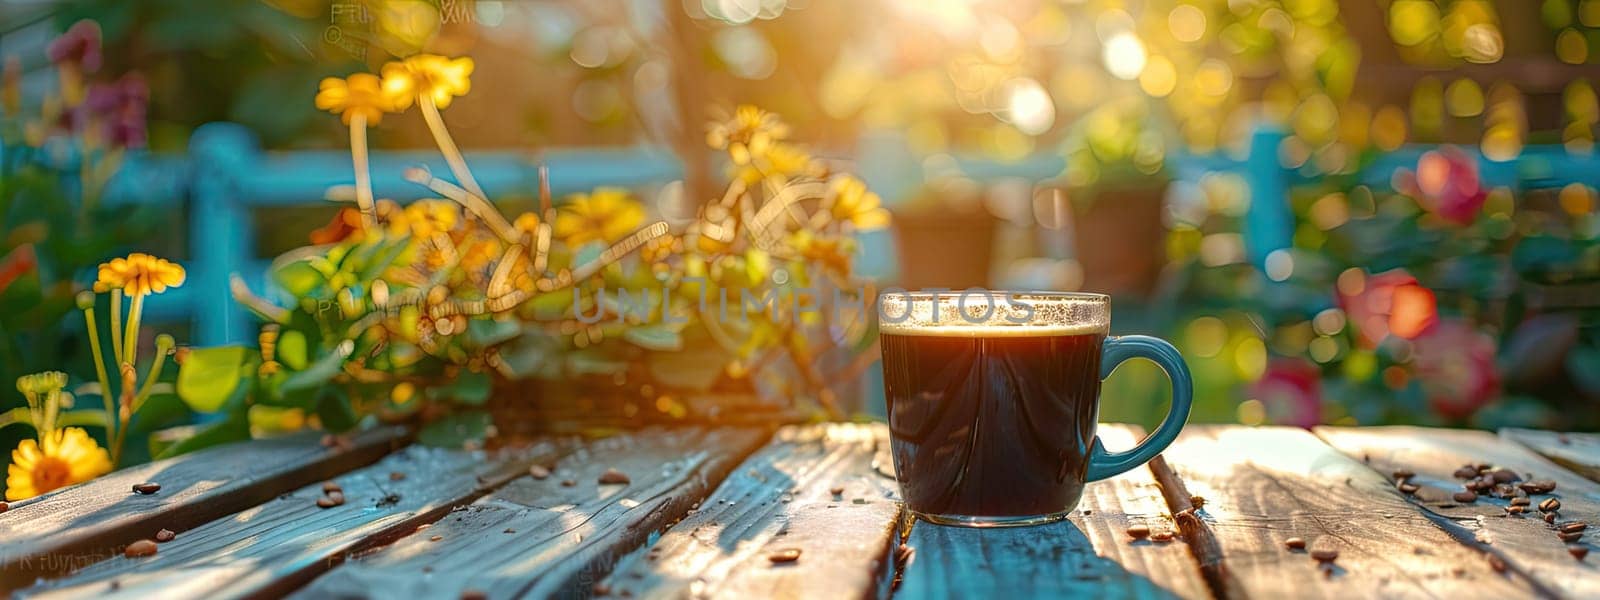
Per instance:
x=80, y=45
x=1455, y=364
x=1291, y=392
x=121, y=108
x=1446, y=184
x=1388, y=303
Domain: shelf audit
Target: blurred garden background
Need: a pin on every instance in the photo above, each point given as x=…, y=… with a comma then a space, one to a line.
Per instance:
x=1350, y=212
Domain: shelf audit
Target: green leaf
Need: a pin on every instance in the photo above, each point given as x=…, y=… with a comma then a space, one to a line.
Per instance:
x=471, y=389
x=208, y=377
x=661, y=337
x=455, y=430
x=298, y=278
x=488, y=332
x=292, y=349
x=319, y=373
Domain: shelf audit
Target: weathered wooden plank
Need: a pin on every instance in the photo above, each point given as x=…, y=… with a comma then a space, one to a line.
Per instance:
x=1263, y=486
x=1578, y=452
x=279, y=545
x=1525, y=543
x=81, y=525
x=780, y=499
x=544, y=538
x=1089, y=555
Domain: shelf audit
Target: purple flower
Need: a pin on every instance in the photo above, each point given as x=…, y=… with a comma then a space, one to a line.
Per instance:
x=80, y=45
x=121, y=108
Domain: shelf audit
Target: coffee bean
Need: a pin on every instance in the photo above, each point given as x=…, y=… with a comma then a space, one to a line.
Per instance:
x=330, y=487
x=436, y=538
x=1570, y=537
x=1572, y=527
x=1505, y=476
x=568, y=483
x=1295, y=543
x=1465, y=497
x=139, y=549
x=1139, y=532
x=614, y=477
x=601, y=589
x=1403, y=474
x=4, y=507
x=1520, y=501
x=1516, y=510
x=1497, y=563
x=1324, y=554
x=165, y=535
x=147, y=488
x=1550, y=505
x=471, y=594
x=1550, y=517
x=1408, y=488
x=1161, y=536
x=509, y=530
x=326, y=502
x=397, y=476
x=539, y=472
x=1578, y=552
x=786, y=555
x=1467, y=472
x=837, y=490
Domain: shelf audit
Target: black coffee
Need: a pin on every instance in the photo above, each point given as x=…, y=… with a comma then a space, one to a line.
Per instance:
x=994, y=422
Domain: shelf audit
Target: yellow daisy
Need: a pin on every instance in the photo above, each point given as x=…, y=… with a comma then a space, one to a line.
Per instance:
x=424, y=218
x=749, y=126
x=849, y=200
x=65, y=457
x=360, y=94
x=139, y=274
x=608, y=214
x=438, y=78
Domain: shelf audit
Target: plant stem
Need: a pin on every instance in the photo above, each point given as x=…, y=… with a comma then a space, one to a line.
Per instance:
x=358, y=154
x=130, y=354
x=150, y=378
x=100, y=369
x=447, y=146
x=116, y=325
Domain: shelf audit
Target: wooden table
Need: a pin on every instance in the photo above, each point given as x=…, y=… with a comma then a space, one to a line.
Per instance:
x=706, y=511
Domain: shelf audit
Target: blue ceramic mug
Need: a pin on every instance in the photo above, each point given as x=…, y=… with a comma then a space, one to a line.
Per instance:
x=993, y=399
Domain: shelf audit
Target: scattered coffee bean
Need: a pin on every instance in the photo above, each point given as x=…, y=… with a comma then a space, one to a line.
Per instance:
x=424, y=526
x=1408, y=488
x=1295, y=543
x=165, y=535
x=1497, y=563
x=1578, y=552
x=1161, y=536
x=471, y=594
x=326, y=502
x=614, y=477
x=1325, y=554
x=139, y=549
x=1197, y=501
x=1139, y=532
x=1570, y=537
x=436, y=538
x=147, y=488
x=1404, y=474
x=786, y=555
x=329, y=487
x=1516, y=510
x=1506, y=476
x=1550, y=505
x=539, y=471
x=601, y=589
x=397, y=476
x=1467, y=472
x=1465, y=497
x=4, y=507
x=510, y=530
x=837, y=490
x=1550, y=518
x=1572, y=527
x=1504, y=490
x=568, y=483
x=1520, y=501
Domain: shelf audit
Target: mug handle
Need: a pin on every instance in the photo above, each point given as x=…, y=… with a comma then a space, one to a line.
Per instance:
x=1103, y=464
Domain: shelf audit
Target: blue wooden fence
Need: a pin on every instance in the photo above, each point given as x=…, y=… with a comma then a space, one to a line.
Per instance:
x=226, y=176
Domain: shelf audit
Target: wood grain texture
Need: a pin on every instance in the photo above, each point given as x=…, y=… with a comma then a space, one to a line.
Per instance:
x=1524, y=542
x=1578, y=452
x=277, y=546
x=779, y=499
x=1265, y=485
x=1088, y=555
x=540, y=538
x=78, y=526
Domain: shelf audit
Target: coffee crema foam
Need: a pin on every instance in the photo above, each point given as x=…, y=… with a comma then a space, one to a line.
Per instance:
x=992, y=330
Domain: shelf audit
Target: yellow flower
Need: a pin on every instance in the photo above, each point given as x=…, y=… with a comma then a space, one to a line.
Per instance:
x=527, y=223
x=138, y=275
x=849, y=200
x=424, y=218
x=608, y=214
x=63, y=458
x=749, y=126
x=436, y=77
x=831, y=252
x=479, y=252
x=360, y=94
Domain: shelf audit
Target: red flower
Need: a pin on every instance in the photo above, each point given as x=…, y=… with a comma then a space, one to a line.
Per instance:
x=17, y=263
x=1446, y=184
x=1455, y=364
x=343, y=225
x=80, y=45
x=1391, y=302
x=1291, y=392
